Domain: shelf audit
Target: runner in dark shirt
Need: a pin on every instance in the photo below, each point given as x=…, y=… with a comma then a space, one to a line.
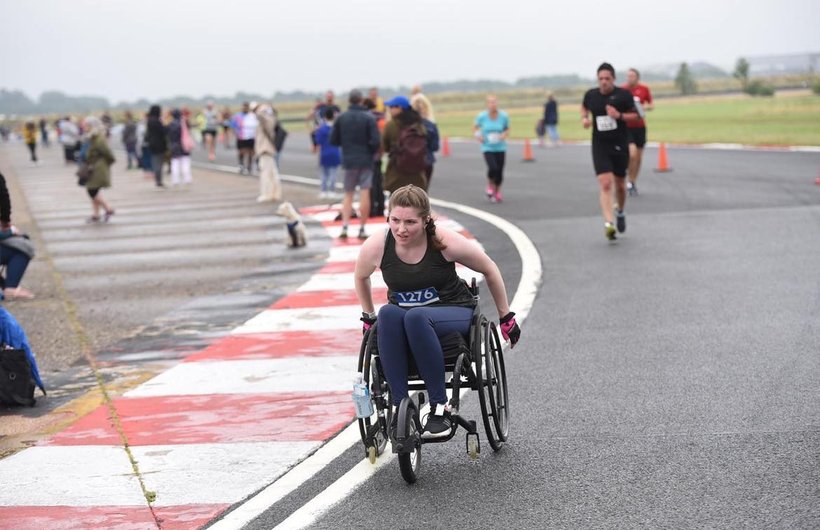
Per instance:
x=610, y=107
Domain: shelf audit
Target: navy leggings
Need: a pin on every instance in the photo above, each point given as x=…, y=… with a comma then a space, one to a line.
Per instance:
x=16, y=263
x=416, y=331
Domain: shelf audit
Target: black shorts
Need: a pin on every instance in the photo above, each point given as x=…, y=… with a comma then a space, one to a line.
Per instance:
x=207, y=132
x=637, y=136
x=610, y=158
x=245, y=144
x=92, y=192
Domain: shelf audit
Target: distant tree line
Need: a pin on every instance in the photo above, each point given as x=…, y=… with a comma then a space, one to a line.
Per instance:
x=15, y=102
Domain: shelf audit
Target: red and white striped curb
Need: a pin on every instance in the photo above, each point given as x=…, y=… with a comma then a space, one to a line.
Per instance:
x=217, y=427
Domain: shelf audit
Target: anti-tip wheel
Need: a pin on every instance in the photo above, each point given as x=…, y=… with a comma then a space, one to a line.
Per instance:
x=371, y=454
x=472, y=449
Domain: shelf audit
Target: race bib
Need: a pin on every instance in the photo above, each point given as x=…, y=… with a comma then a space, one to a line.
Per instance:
x=417, y=298
x=606, y=123
x=493, y=138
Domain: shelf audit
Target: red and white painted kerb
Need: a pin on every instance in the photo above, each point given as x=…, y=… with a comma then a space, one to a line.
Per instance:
x=222, y=424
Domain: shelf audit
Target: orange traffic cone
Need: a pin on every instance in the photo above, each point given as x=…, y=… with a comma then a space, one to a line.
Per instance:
x=445, y=147
x=528, y=152
x=663, y=162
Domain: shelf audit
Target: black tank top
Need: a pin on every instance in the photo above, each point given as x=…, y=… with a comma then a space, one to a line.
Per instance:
x=431, y=281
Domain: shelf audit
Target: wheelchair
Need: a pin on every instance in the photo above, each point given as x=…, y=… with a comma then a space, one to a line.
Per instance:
x=476, y=363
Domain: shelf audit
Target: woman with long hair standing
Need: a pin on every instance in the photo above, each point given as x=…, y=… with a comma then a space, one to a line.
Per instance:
x=99, y=158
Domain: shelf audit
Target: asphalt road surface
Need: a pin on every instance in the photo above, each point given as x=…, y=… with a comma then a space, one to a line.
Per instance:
x=668, y=380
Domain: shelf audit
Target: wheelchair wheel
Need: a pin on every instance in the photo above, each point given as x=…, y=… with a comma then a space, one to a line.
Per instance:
x=373, y=429
x=491, y=379
x=410, y=463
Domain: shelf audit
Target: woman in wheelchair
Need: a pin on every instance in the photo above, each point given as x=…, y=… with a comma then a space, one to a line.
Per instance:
x=427, y=299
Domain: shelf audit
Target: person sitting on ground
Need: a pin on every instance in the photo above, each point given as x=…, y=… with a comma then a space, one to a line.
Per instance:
x=427, y=299
x=15, y=260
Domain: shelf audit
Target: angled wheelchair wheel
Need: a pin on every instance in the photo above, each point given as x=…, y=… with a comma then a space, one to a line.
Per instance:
x=373, y=429
x=492, y=384
x=410, y=461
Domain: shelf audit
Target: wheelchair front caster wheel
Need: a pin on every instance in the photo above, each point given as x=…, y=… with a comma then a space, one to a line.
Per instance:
x=371, y=454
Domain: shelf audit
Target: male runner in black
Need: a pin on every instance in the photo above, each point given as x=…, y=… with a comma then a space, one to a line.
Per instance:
x=611, y=107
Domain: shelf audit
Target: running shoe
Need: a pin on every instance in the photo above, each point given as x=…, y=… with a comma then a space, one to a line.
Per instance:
x=343, y=234
x=620, y=221
x=490, y=193
x=362, y=233
x=632, y=189
x=609, y=230
x=108, y=215
x=439, y=423
x=498, y=196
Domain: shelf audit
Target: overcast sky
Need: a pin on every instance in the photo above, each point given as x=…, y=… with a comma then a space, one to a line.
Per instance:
x=125, y=50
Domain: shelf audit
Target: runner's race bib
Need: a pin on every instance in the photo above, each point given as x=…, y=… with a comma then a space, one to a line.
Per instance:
x=493, y=138
x=417, y=298
x=606, y=123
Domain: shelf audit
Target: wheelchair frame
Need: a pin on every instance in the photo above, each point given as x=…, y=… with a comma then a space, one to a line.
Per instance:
x=478, y=366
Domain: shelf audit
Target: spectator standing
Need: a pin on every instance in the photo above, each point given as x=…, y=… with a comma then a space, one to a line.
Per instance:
x=377, y=187
x=329, y=157
x=99, y=159
x=551, y=120
x=270, y=187
x=417, y=95
x=156, y=136
x=396, y=141
x=30, y=139
x=355, y=131
x=129, y=140
x=44, y=132
x=180, y=143
x=420, y=105
x=70, y=139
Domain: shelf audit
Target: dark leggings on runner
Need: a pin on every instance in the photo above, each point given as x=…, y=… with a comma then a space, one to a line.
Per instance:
x=33, y=148
x=495, y=166
x=92, y=192
x=416, y=332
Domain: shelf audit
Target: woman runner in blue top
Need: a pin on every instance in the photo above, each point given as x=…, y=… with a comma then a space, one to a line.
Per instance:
x=427, y=299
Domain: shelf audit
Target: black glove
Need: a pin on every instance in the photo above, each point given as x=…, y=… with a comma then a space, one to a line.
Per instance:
x=509, y=329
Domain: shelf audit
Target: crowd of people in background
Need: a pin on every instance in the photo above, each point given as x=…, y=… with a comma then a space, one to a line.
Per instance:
x=373, y=147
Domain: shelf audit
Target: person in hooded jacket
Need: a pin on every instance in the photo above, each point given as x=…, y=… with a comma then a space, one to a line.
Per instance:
x=403, y=116
x=99, y=158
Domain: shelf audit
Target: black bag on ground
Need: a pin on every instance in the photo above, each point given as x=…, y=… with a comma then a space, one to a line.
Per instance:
x=16, y=383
